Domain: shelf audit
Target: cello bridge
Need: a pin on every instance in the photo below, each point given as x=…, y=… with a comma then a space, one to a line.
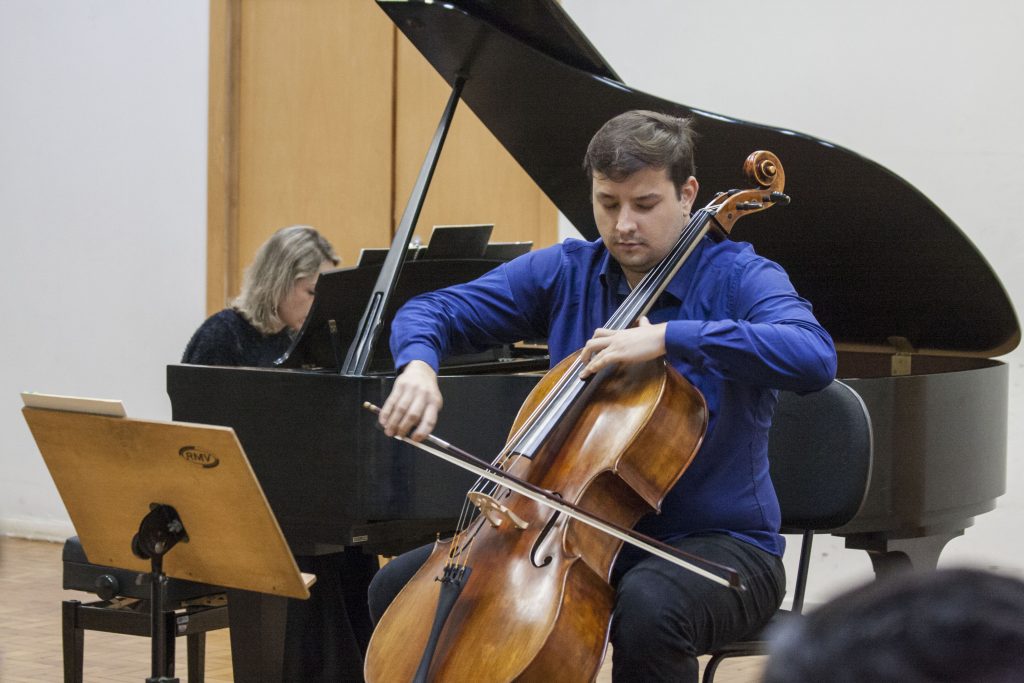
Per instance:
x=495, y=512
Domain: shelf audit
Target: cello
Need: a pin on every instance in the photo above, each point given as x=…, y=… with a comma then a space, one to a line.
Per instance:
x=523, y=588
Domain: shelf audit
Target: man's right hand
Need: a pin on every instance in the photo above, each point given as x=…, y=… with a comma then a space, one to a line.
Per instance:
x=414, y=402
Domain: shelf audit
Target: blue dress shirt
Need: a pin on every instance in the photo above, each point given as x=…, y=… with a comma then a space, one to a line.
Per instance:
x=736, y=330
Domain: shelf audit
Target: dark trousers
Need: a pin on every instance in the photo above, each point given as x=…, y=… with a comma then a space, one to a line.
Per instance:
x=326, y=636
x=664, y=616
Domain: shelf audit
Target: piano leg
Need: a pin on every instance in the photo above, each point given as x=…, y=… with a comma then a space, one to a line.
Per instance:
x=257, y=623
x=892, y=555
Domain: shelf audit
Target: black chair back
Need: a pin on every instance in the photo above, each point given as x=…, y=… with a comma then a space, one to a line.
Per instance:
x=819, y=450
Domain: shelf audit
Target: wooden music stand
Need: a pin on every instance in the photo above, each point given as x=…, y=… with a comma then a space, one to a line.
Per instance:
x=124, y=482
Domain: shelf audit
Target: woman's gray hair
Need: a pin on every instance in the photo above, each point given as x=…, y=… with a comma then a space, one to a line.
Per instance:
x=290, y=254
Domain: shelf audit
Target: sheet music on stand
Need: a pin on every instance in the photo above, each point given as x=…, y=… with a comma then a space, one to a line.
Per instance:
x=446, y=242
x=457, y=241
x=374, y=256
x=76, y=404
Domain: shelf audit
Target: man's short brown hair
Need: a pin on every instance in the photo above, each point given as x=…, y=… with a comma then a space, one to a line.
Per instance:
x=640, y=139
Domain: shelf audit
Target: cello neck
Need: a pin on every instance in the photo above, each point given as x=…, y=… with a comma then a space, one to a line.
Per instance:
x=567, y=392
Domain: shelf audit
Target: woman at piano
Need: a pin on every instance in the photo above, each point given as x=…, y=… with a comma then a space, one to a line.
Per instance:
x=277, y=292
x=327, y=635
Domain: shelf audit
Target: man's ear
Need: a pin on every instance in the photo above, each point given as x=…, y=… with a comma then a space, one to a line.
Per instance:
x=688, y=192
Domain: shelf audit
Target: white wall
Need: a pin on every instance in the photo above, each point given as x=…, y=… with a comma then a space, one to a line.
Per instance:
x=931, y=89
x=103, y=108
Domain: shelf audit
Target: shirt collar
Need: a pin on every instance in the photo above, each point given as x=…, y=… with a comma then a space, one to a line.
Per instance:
x=614, y=279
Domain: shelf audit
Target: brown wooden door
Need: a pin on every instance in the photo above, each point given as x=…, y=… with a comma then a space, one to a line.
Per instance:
x=321, y=113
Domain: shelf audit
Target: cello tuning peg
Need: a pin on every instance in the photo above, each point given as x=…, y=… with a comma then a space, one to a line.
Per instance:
x=779, y=198
x=749, y=206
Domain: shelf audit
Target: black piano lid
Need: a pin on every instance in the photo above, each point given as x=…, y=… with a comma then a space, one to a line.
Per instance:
x=876, y=257
x=545, y=26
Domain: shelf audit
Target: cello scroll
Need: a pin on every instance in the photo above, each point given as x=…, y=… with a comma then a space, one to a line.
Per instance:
x=762, y=168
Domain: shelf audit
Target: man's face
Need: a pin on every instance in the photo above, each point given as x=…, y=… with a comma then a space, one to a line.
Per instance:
x=641, y=217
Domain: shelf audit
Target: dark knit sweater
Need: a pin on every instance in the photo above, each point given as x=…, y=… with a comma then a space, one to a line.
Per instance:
x=227, y=338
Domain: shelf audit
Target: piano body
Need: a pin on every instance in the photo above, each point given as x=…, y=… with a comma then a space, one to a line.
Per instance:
x=916, y=312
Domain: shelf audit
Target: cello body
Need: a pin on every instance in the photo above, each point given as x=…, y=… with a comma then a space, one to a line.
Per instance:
x=537, y=606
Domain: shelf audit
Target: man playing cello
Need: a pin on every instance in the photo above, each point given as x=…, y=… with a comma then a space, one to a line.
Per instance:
x=729, y=321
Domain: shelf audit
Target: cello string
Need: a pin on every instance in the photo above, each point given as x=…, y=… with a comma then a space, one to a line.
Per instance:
x=568, y=387
x=459, y=546
x=465, y=544
x=557, y=402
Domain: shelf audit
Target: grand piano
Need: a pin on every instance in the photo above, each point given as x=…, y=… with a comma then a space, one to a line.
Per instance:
x=917, y=314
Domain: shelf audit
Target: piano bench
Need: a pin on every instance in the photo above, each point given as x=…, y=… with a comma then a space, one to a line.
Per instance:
x=191, y=609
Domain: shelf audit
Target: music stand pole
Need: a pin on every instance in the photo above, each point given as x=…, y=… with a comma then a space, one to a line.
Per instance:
x=159, y=531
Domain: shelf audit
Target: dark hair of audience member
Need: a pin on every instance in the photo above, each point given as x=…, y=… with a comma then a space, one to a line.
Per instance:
x=947, y=625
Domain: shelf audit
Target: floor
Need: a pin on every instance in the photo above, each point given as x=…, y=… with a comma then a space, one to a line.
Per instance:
x=30, y=636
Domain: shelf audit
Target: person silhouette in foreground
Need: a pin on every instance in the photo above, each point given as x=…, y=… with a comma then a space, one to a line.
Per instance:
x=938, y=627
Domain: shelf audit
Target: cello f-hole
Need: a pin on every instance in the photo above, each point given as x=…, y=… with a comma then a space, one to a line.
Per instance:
x=540, y=541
